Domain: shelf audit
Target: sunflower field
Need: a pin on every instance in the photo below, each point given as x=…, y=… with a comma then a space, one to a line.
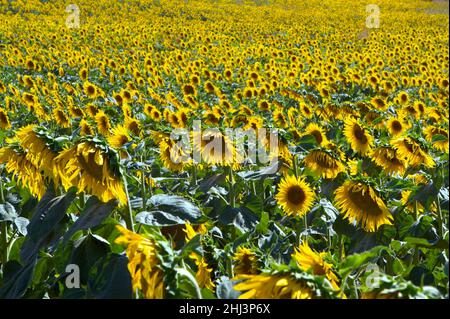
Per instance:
x=224, y=149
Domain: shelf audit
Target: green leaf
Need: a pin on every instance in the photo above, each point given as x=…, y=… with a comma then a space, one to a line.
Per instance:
x=94, y=213
x=7, y=212
x=263, y=224
x=169, y=210
x=18, y=284
x=242, y=218
x=225, y=289
x=422, y=242
x=49, y=212
x=439, y=138
x=110, y=278
x=354, y=261
x=86, y=251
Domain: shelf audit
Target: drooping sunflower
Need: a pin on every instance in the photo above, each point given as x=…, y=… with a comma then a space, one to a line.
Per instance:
x=309, y=260
x=246, y=262
x=143, y=263
x=357, y=136
x=4, y=120
x=37, y=151
x=26, y=173
x=102, y=121
x=360, y=202
x=318, y=133
x=441, y=144
x=85, y=128
x=171, y=155
x=388, y=158
x=61, y=117
x=87, y=167
x=295, y=196
x=323, y=163
x=266, y=286
x=215, y=148
x=411, y=152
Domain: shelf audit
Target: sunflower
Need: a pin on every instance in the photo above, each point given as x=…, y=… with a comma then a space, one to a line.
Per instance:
x=411, y=152
x=191, y=232
x=27, y=174
x=360, y=202
x=358, y=137
x=203, y=274
x=396, y=127
x=189, y=89
x=431, y=131
x=87, y=167
x=119, y=137
x=171, y=155
x=323, y=163
x=133, y=126
x=37, y=151
x=92, y=109
x=246, y=262
x=403, y=97
x=388, y=158
x=90, y=90
x=4, y=120
x=85, y=128
x=83, y=74
x=309, y=260
x=156, y=115
x=102, y=121
x=295, y=196
x=61, y=117
x=215, y=148
x=266, y=286
x=143, y=263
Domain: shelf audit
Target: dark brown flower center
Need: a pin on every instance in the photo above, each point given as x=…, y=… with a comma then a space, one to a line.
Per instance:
x=296, y=195
x=364, y=201
x=358, y=132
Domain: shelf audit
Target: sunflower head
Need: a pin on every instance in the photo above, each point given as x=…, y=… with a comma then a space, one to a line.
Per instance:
x=246, y=261
x=309, y=260
x=295, y=196
x=358, y=137
x=359, y=202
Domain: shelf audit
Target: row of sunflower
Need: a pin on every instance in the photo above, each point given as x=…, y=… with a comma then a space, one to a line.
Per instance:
x=357, y=179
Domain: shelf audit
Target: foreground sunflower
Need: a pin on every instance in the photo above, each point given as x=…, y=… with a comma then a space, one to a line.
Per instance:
x=143, y=263
x=295, y=196
x=309, y=260
x=26, y=173
x=87, y=167
x=359, y=202
x=357, y=136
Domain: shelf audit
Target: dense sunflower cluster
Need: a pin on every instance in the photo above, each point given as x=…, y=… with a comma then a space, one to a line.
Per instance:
x=359, y=160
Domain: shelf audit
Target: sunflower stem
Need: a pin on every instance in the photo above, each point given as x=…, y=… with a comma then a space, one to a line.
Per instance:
x=4, y=228
x=128, y=216
x=295, y=165
x=440, y=219
x=231, y=190
x=143, y=188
